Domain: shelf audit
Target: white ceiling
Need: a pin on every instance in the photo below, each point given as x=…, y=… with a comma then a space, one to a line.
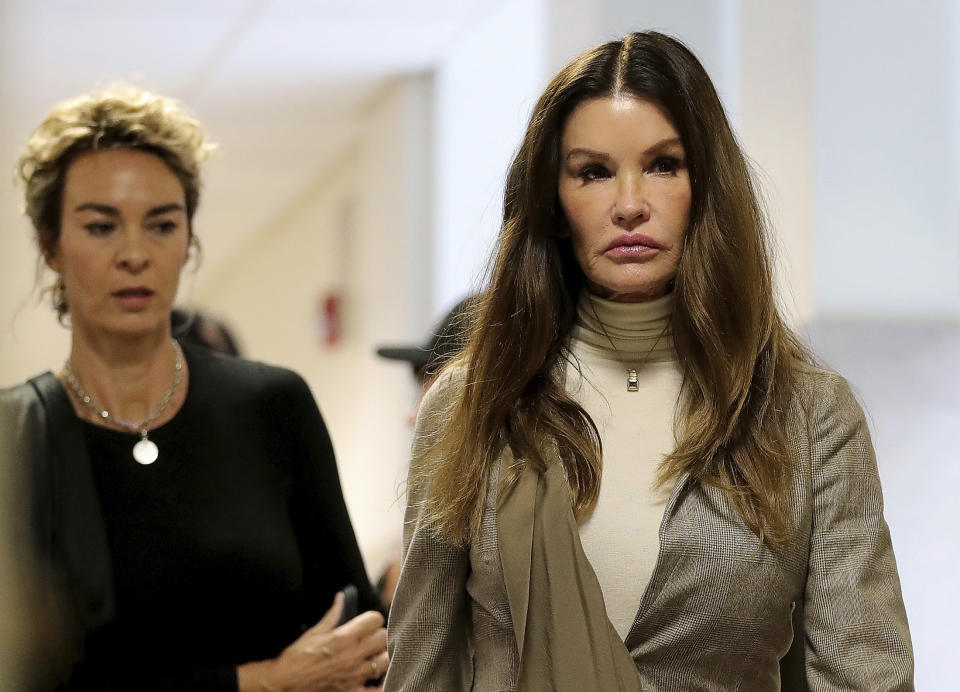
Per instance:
x=278, y=83
x=197, y=48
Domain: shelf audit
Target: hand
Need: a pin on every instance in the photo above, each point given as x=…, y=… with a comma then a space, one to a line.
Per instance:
x=325, y=658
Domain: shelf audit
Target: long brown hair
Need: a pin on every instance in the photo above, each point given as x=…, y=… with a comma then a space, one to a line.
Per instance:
x=734, y=349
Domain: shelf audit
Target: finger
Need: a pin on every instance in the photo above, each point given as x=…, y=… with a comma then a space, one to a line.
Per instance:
x=379, y=665
x=362, y=625
x=330, y=618
x=373, y=644
x=373, y=668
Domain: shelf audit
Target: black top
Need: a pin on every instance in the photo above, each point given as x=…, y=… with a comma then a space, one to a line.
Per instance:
x=228, y=546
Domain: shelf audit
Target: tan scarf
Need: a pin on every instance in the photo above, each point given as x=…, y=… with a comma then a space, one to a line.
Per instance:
x=565, y=640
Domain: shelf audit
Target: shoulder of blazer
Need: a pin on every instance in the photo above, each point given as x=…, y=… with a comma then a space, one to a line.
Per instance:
x=819, y=394
x=25, y=456
x=67, y=524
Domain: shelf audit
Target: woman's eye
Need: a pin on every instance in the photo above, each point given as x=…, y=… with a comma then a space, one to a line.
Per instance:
x=593, y=172
x=165, y=227
x=98, y=228
x=667, y=165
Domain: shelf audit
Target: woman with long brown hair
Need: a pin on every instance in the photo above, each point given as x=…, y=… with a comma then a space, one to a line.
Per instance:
x=636, y=475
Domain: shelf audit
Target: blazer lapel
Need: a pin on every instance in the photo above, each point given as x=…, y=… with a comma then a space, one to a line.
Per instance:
x=79, y=540
x=653, y=585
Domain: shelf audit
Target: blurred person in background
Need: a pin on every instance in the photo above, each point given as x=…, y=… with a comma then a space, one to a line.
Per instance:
x=203, y=328
x=635, y=476
x=187, y=504
x=446, y=340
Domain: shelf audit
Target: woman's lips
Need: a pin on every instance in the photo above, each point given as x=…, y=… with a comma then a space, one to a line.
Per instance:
x=135, y=298
x=631, y=251
x=633, y=245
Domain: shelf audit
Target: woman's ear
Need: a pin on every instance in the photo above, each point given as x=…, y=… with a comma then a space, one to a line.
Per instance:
x=49, y=245
x=52, y=260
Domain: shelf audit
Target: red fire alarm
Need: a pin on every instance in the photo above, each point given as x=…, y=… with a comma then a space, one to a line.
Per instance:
x=331, y=318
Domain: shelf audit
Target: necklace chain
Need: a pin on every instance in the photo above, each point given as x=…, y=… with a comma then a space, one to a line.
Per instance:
x=140, y=426
x=633, y=382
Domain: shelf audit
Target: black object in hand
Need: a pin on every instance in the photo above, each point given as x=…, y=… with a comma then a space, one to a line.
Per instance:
x=351, y=603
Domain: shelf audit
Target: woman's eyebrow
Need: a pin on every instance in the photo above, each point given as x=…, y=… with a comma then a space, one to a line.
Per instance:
x=101, y=208
x=583, y=151
x=113, y=211
x=665, y=143
x=165, y=209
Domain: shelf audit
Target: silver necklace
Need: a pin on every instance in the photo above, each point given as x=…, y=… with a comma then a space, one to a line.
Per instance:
x=633, y=382
x=145, y=451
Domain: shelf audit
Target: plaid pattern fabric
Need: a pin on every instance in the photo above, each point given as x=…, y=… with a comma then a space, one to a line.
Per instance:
x=719, y=612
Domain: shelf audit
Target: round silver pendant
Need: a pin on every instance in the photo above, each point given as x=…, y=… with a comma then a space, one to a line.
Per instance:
x=145, y=452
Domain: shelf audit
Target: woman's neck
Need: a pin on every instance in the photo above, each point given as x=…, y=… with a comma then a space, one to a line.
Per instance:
x=628, y=331
x=125, y=375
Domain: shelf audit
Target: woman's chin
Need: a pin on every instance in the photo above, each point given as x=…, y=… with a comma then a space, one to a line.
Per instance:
x=630, y=292
x=130, y=326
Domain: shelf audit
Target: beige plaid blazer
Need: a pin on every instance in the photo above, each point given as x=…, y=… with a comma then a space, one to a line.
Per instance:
x=823, y=613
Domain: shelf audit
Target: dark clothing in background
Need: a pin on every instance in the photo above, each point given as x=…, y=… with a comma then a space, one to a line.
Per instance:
x=220, y=553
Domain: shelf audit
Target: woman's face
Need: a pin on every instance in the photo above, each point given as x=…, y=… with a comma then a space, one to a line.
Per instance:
x=625, y=190
x=123, y=241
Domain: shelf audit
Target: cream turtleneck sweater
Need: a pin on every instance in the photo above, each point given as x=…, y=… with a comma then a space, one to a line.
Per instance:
x=620, y=537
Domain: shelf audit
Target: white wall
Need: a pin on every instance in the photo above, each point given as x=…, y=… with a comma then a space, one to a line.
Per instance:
x=30, y=338
x=888, y=183
x=775, y=111
x=357, y=228
x=486, y=88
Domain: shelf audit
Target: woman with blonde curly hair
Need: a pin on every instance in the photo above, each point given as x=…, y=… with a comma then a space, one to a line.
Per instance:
x=635, y=476
x=186, y=504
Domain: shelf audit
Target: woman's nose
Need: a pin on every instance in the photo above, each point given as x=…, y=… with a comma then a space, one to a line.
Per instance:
x=631, y=205
x=133, y=255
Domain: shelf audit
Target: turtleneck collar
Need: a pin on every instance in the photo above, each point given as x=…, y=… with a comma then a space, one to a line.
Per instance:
x=638, y=331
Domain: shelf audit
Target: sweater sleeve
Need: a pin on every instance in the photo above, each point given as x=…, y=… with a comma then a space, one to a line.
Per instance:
x=428, y=635
x=328, y=545
x=856, y=634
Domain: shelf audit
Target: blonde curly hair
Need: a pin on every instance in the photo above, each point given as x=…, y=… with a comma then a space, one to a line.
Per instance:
x=119, y=117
